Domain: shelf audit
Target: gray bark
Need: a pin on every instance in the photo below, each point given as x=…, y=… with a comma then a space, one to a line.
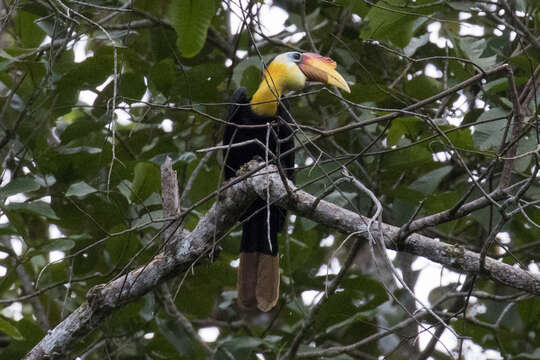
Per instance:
x=190, y=247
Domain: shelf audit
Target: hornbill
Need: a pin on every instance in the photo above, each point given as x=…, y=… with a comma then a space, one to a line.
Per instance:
x=265, y=120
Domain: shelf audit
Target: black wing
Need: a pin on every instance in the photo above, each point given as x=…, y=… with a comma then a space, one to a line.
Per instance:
x=229, y=136
x=240, y=114
x=286, y=136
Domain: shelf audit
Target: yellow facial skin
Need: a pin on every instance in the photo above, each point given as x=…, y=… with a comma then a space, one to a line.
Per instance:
x=284, y=74
x=281, y=75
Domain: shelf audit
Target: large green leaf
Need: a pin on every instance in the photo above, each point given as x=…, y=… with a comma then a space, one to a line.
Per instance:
x=29, y=33
x=88, y=74
x=19, y=185
x=387, y=21
x=131, y=87
x=145, y=182
x=9, y=329
x=162, y=75
x=422, y=86
x=357, y=7
x=176, y=335
x=241, y=347
x=489, y=135
x=364, y=93
x=40, y=208
x=534, y=355
x=207, y=281
x=407, y=158
x=80, y=189
x=526, y=146
x=255, y=61
x=474, y=49
x=251, y=79
x=58, y=245
x=409, y=126
x=200, y=83
x=428, y=183
x=191, y=19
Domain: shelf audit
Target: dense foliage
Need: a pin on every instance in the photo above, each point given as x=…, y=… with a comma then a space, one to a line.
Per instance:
x=94, y=94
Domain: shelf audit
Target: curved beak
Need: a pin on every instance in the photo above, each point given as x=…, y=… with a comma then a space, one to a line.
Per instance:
x=322, y=69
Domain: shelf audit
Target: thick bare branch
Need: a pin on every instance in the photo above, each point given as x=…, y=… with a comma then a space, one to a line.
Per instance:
x=170, y=195
x=104, y=299
x=454, y=257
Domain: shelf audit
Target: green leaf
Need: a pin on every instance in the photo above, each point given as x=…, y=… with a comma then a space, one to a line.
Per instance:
x=79, y=149
x=7, y=328
x=357, y=7
x=6, y=229
x=408, y=158
x=19, y=185
x=415, y=44
x=88, y=74
x=422, y=86
x=474, y=48
x=341, y=198
x=369, y=293
x=429, y=182
x=533, y=355
x=388, y=22
x=183, y=158
x=529, y=311
x=241, y=347
x=496, y=85
x=489, y=135
x=207, y=281
x=36, y=70
x=124, y=188
x=438, y=292
x=81, y=127
x=30, y=34
x=58, y=245
x=526, y=145
x=191, y=19
x=462, y=5
x=244, y=342
x=307, y=224
x=145, y=182
x=407, y=193
x=336, y=308
x=251, y=79
x=304, y=252
x=36, y=207
x=461, y=138
x=80, y=189
x=361, y=93
x=440, y=201
x=243, y=65
x=162, y=75
x=200, y=83
x=131, y=86
x=410, y=126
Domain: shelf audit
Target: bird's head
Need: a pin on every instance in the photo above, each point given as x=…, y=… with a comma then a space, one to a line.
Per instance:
x=294, y=69
x=291, y=71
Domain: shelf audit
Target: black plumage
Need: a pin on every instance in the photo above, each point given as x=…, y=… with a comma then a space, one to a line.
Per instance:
x=281, y=140
x=254, y=237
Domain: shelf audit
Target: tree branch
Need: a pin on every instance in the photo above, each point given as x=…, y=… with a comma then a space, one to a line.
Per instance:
x=104, y=299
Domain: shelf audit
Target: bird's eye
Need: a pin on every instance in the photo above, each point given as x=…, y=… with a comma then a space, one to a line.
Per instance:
x=297, y=56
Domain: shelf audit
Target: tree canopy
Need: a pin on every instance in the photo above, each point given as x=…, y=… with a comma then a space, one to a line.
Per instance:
x=414, y=221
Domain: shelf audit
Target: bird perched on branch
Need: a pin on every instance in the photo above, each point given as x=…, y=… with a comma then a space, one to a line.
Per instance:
x=261, y=126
